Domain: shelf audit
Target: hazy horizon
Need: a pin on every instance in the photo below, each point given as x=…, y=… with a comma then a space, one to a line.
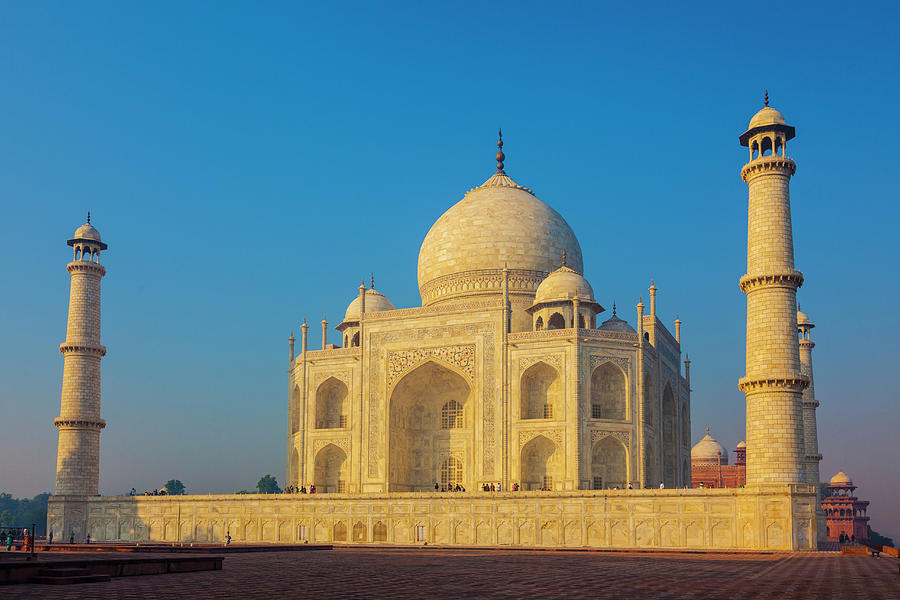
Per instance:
x=248, y=168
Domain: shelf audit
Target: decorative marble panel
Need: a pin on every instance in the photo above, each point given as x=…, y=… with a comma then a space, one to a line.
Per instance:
x=401, y=362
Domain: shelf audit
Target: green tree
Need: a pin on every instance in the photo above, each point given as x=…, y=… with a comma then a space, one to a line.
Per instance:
x=268, y=485
x=174, y=487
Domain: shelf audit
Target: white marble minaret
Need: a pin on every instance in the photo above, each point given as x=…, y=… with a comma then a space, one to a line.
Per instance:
x=774, y=382
x=79, y=422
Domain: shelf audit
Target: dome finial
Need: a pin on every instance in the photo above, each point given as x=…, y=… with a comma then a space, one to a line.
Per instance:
x=766, y=100
x=372, y=281
x=614, y=309
x=564, y=258
x=89, y=218
x=500, y=156
x=707, y=430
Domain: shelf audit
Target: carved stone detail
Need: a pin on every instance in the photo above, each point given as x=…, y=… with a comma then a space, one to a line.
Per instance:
x=597, y=360
x=405, y=360
x=554, y=435
x=342, y=443
x=318, y=377
x=555, y=360
x=599, y=434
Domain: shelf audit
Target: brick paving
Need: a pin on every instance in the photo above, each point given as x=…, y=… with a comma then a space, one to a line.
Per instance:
x=441, y=573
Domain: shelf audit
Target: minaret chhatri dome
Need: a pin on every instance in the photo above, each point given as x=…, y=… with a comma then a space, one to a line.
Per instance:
x=497, y=224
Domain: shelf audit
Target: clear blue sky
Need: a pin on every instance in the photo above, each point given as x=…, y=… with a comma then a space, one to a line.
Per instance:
x=248, y=164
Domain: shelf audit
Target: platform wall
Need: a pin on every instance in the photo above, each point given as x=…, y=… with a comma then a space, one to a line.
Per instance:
x=771, y=518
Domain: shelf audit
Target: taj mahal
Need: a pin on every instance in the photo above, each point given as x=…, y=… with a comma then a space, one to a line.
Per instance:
x=510, y=374
x=507, y=373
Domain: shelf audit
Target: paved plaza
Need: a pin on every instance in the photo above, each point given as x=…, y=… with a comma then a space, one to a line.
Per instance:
x=442, y=573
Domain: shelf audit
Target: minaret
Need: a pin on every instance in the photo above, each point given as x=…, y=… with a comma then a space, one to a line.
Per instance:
x=79, y=422
x=773, y=383
x=810, y=428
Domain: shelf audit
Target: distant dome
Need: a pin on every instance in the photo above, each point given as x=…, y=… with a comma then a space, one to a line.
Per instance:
x=564, y=284
x=841, y=479
x=707, y=450
x=375, y=302
x=498, y=224
x=767, y=116
x=87, y=232
x=614, y=323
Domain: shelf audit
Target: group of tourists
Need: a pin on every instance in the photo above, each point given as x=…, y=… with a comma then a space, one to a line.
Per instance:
x=161, y=492
x=293, y=489
x=847, y=539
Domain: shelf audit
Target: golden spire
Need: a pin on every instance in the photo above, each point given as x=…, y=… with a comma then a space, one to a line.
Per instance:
x=766, y=100
x=564, y=258
x=372, y=284
x=500, y=156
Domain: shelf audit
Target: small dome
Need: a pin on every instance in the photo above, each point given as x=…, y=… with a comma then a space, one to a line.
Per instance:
x=87, y=232
x=841, y=479
x=375, y=302
x=742, y=444
x=803, y=319
x=767, y=116
x=707, y=450
x=614, y=323
x=564, y=284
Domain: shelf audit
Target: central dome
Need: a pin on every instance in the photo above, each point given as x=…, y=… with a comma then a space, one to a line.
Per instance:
x=497, y=224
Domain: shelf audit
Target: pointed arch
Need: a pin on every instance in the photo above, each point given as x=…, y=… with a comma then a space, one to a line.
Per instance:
x=608, y=392
x=540, y=392
x=539, y=324
x=418, y=405
x=339, y=532
x=556, y=321
x=331, y=470
x=332, y=404
x=669, y=436
x=609, y=464
x=294, y=475
x=379, y=532
x=296, y=400
x=540, y=464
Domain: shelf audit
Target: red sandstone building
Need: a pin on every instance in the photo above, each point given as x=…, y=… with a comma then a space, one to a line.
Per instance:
x=710, y=468
x=844, y=513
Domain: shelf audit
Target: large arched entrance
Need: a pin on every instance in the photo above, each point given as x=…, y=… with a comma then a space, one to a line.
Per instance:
x=331, y=470
x=609, y=464
x=539, y=464
x=430, y=411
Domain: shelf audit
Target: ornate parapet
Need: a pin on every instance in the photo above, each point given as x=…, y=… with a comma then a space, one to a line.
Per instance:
x=86, y=266
x=788, y=383
x=768, y=164
x=772, y=518
x=85, y=348
x=61, y=422
x=788, y=279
